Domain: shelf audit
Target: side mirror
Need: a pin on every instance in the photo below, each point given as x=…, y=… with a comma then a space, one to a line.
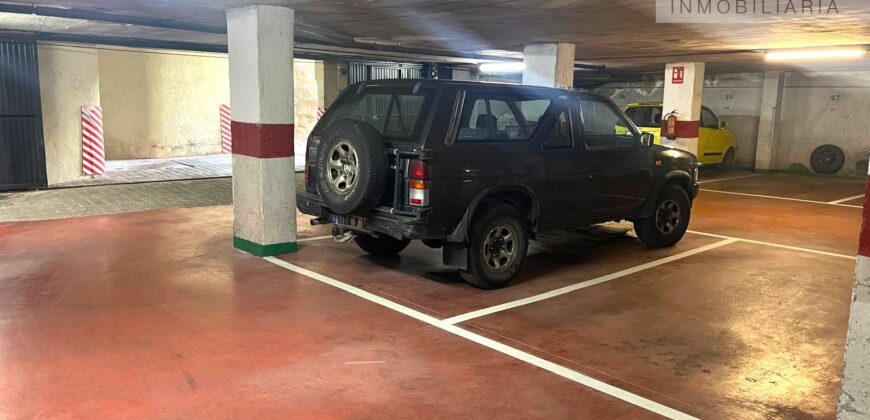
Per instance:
x=647, y=139
x=722, y=125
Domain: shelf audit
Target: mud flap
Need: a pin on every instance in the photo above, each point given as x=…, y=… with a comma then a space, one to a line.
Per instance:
x=455, y=254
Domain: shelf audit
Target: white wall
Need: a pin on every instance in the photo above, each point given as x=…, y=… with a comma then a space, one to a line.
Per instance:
x=68, y=79
x=162, y=104
x=165, y=104
x=824, y=108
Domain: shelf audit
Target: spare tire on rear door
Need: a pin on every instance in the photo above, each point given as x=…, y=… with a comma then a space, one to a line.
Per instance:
x=351, y=167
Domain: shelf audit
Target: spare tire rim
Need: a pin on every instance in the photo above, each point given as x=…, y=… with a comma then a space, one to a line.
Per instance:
x=500, y=248
x=667, y=216
x=342, y=166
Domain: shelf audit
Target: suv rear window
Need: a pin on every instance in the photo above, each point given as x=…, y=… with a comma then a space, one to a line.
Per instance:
x=394, y=111
x=498, y=116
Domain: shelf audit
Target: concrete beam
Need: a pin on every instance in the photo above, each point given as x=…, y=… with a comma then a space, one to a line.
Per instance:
x=771, y=106
x=550, y=65
x=334, y=80
x=855, y=395
x=683, y=93
x=261, y=92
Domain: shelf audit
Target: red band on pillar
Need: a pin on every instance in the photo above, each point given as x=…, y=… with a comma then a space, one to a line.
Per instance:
x=262, y=140
x=683, y=130
x=864, y=246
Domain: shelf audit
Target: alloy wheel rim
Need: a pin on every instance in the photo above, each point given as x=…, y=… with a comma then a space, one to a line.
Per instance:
x=667, y=216
x=500, y=248
x=343, y=165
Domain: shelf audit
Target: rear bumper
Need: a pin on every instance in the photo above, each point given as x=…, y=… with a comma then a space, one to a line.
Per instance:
x=377, y=221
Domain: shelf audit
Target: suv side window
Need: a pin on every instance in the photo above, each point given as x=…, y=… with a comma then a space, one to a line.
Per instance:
x=708, y=120
x=499, y=117
x=603, y=126
x=560, y=136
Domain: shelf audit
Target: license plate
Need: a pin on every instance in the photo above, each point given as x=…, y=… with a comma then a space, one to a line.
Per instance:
x=352, y=221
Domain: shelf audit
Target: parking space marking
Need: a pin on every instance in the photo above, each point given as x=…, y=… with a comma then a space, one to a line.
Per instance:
x=728, y=179
x=781, y=198
x=582, y=285
x=518, y=354
x=776, y=245
x=846, y=199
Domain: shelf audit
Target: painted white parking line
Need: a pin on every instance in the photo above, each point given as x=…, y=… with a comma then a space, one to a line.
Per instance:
x=781, y=198
x=315, y=238
x=728, y=179
x=582, y=285
x=518, y=354
x=776, y=245
x=847, y=199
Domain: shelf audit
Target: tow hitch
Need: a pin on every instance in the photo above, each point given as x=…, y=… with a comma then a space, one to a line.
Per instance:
x=342, y=235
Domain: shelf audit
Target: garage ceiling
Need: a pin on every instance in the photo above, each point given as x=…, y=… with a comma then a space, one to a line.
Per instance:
x=619, y=33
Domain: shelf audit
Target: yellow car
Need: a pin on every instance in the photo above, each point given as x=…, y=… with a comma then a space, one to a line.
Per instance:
x=716, y=143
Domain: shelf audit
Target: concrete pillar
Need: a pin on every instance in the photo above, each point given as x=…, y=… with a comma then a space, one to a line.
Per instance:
x=261, y=92
x=771, y=104
x=550, y=65
x=855, y=395
x=684, y=88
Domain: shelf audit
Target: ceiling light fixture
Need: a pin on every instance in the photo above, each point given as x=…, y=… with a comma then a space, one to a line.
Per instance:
x=503, y=67
x=816, y=54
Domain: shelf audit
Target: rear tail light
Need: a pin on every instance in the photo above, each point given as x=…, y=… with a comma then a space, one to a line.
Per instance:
x=418, y=183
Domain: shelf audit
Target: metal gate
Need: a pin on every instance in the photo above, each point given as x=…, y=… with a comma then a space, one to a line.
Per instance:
x=22, y=150
x=361, y=72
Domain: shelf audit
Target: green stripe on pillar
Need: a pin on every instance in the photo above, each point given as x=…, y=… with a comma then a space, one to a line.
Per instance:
x=263, y=250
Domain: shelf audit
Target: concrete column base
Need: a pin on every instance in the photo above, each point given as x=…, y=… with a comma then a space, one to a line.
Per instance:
x=264, y=198
x=855, y=394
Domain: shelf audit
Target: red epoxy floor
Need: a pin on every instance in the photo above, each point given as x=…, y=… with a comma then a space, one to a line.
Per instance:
x=155, y=315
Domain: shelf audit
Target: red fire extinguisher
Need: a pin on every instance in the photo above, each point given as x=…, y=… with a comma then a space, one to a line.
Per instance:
x=670, y=125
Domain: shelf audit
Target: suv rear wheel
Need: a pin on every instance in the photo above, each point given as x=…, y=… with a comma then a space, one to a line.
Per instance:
x=669, y=221
x=498, y=241
x=381, y=246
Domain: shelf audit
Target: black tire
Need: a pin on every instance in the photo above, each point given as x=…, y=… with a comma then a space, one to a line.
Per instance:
x=490, y=228
x=382, y=246
x=728, y=161
x=827, y=159
x=668, y=224
x=365, y=175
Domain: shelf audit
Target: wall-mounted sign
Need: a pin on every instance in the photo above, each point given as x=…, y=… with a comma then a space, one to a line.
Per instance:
x=678, y=75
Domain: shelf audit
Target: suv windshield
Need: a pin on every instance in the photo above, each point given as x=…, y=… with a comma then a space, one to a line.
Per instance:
x=394, y=111
x=645, y=116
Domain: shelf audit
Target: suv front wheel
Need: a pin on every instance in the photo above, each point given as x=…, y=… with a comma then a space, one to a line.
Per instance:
x=670, y=219
x=497, y=246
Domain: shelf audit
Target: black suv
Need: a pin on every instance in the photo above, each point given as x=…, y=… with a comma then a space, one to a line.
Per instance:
x=479, y=169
